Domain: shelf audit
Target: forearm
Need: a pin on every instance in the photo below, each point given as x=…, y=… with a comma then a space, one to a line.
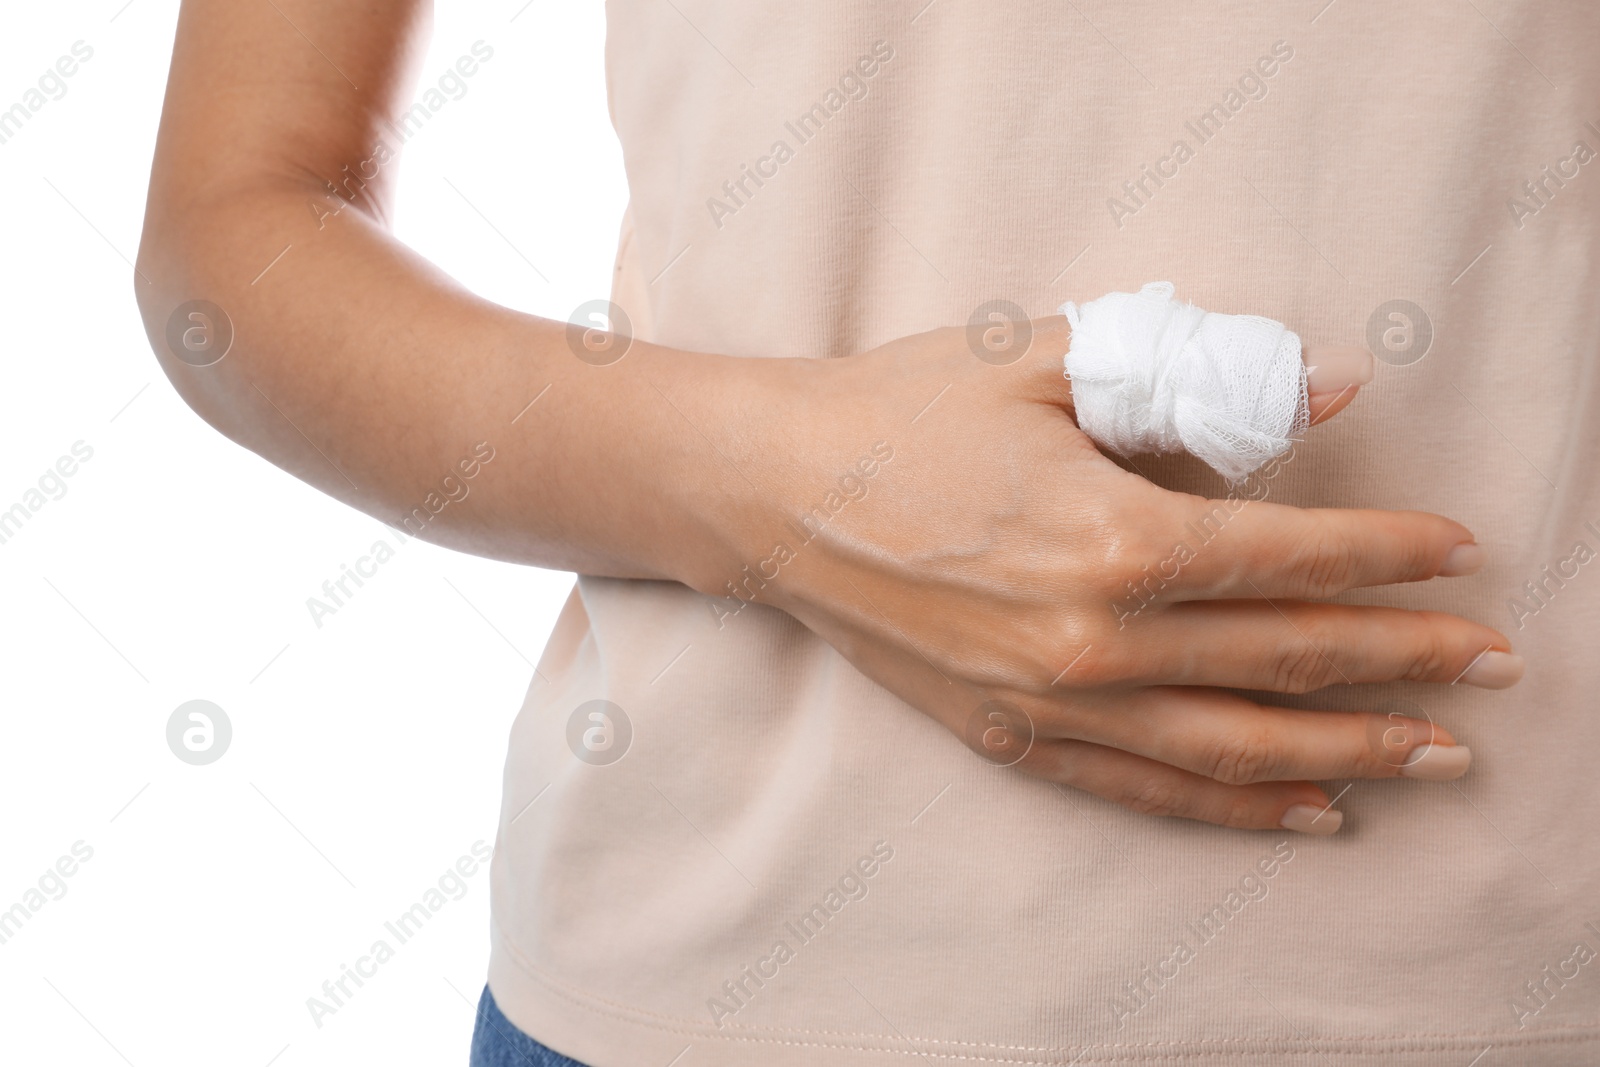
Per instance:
x=360, y=368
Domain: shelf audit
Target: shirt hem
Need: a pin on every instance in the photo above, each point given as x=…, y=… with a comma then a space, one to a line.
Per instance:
x=602, y=1033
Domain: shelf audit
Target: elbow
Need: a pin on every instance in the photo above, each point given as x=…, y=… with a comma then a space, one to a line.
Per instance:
x=190, y=335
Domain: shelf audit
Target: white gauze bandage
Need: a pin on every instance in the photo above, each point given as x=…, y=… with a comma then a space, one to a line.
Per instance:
x=1150, y=374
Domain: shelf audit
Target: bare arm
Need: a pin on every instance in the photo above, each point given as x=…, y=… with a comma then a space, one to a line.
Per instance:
x=360, y=367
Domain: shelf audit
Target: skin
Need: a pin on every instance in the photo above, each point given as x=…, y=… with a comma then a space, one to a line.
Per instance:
x=984, y=567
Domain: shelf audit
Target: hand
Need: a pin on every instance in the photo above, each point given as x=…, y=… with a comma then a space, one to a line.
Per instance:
x=1004, y=577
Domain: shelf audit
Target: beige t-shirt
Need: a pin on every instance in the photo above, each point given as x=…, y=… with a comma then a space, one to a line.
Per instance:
x=790, y=866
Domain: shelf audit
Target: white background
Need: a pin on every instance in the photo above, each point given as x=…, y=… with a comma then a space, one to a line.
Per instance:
x=366, y=755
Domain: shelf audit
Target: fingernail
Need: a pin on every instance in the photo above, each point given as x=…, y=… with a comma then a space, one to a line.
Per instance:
x=1310, y=819
x=1466, y=558
x=1335, y=368
x=1495, y=670
x=1437, y=763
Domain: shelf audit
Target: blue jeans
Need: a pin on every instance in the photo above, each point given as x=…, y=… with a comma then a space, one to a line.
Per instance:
x=496, y=1042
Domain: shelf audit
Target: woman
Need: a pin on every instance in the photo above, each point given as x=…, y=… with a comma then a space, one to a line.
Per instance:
x=851, y=741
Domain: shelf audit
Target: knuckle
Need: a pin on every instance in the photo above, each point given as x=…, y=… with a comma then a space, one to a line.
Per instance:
x=1116, y=576
x=1065, y=762
x=1416, y=556
x=1073, y=633
x=1127, y=560
x=1096, y=665
x=1240, y=759
x=1300, y=668
x=1140, y=577
x=1056, y=657
x=1428, y=663
x=1431, y=656
x=1329, y=563
x=1153, y=796
x=1240, y=812
x=1388, y=742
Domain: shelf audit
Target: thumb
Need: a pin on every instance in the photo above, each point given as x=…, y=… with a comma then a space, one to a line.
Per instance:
x=1334, y=373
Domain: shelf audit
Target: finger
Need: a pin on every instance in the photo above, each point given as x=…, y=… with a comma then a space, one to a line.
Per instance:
x=1238, y=742
x=1292, y=646
x=1334, y=374
x=1153, y=788
x=1244, y=548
